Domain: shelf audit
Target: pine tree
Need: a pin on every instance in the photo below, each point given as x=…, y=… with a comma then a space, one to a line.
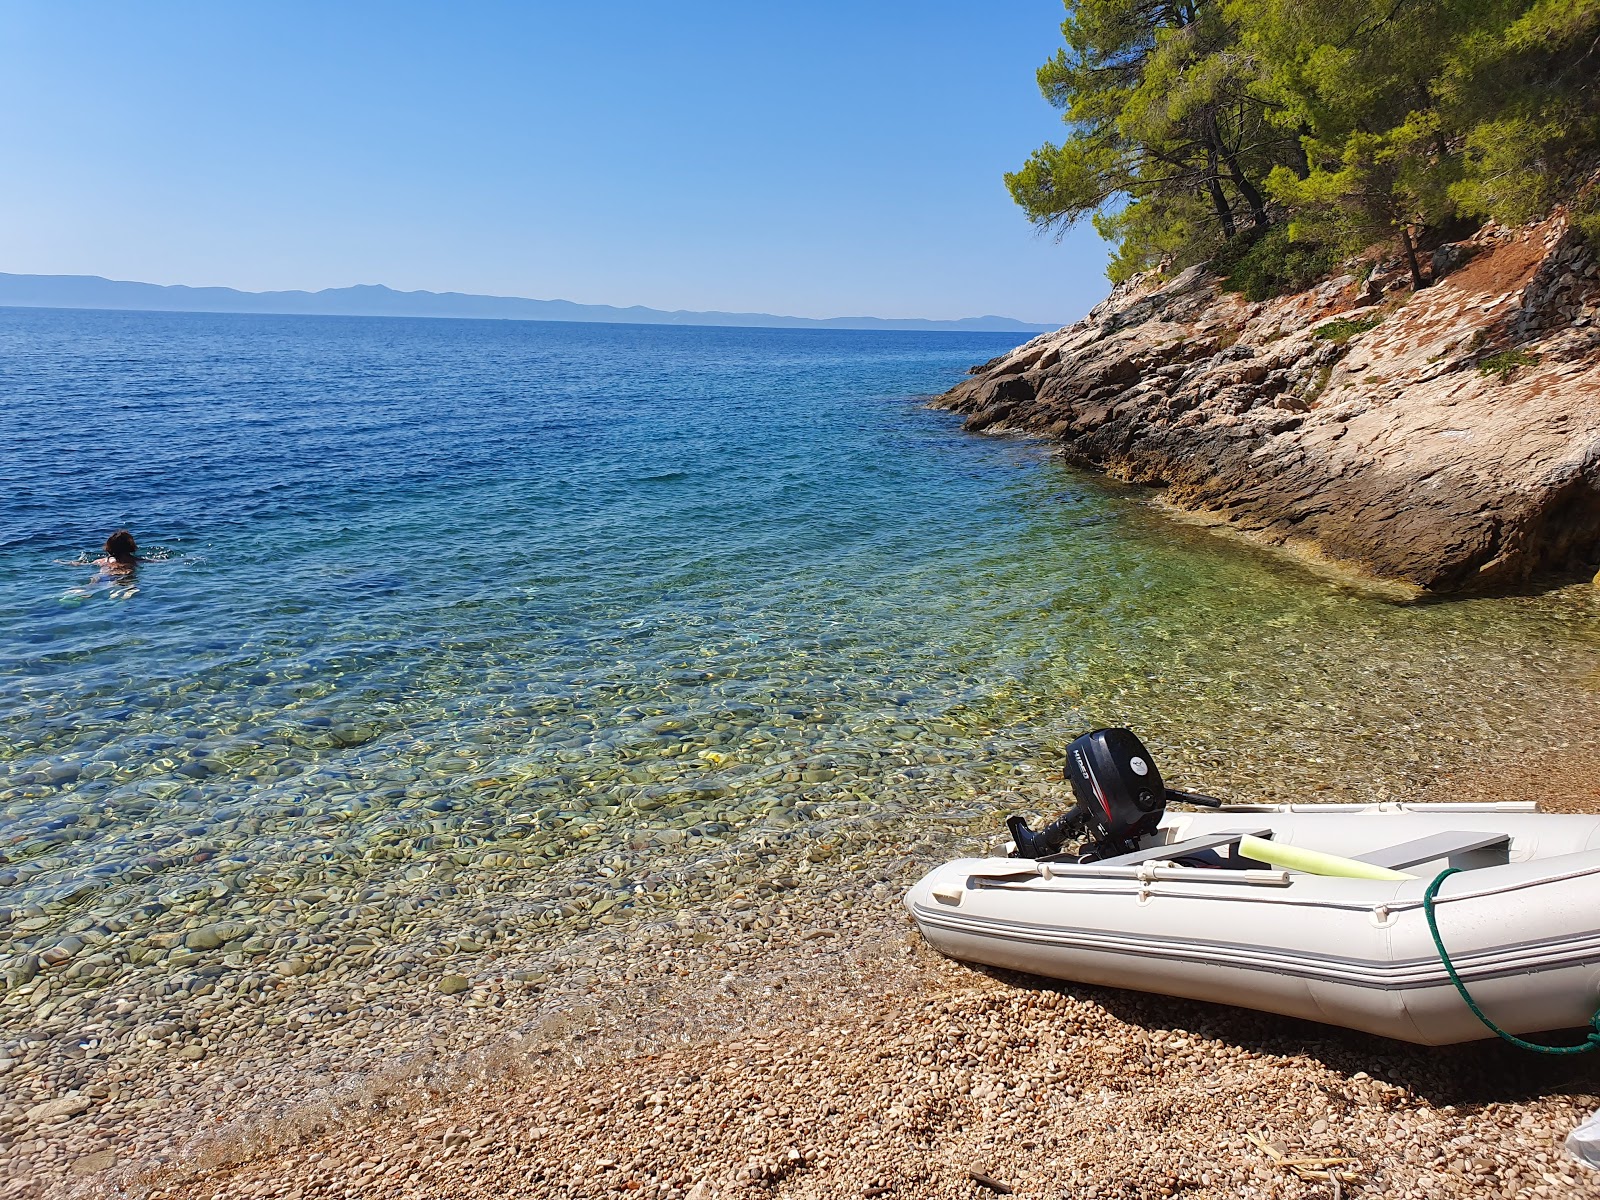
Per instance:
x=1335, y=124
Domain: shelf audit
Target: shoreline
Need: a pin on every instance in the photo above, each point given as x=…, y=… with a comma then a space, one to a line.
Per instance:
x=1440, y=439
x=917, y=1076
x=837, y=1004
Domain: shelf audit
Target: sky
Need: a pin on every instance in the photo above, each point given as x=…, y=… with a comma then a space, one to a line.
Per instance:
x=829, y=158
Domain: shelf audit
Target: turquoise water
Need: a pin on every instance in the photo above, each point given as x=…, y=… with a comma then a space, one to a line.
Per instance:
x=433, y=594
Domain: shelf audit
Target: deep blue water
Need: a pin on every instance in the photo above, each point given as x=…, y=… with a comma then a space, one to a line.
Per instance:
x=415, y=581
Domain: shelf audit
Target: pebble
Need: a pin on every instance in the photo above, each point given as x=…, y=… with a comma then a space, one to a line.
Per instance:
x=90, y=1164
x=58, y=1109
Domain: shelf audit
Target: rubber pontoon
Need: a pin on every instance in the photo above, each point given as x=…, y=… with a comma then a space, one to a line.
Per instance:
x=1520, y=922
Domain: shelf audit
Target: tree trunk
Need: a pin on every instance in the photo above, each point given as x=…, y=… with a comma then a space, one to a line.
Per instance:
x=1417, y=282
x=1258, y=206
x=1218, y=200
x=1252, y=197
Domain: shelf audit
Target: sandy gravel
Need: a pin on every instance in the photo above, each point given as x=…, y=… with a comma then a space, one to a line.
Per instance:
x=912, y=1077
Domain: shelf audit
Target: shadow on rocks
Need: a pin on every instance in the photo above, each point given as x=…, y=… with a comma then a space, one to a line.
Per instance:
x=1471, y=1074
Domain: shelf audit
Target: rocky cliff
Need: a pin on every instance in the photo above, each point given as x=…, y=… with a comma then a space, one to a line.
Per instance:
x=1447, y=439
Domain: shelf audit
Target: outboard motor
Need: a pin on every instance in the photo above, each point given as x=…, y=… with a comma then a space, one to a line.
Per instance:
x=1120, y=795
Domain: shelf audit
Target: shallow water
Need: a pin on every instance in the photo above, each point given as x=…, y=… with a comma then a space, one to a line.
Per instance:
x=433, y=597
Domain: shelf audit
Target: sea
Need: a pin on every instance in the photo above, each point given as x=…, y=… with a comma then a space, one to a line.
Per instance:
x=424, y=596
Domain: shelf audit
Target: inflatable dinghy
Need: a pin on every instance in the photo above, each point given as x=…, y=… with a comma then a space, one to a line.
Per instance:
x=1312, y=911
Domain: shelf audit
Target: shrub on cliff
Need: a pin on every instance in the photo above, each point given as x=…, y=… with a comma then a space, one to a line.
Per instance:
x=1586, y=213
x=1340, y=331
x=1272, y=265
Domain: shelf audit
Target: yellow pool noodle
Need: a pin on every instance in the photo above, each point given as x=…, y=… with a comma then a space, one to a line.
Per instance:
x=1313, y=862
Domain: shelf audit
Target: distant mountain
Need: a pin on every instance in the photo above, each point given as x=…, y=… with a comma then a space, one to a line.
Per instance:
x=375, y=300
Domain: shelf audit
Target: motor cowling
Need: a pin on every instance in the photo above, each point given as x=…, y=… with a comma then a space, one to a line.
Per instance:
x=1120, y=799
x=1116, y=783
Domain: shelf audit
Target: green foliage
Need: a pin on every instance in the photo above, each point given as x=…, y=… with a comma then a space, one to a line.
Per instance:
x=1586, y=216
x=1380, y=183
x=1158, y=230
x=1194, y=128
x=1318, y=386
x=1506, y=176
x=1343, y=329
x=1525, y=96
x=1167, y=144
x=1273, y=265
x=1505, y=363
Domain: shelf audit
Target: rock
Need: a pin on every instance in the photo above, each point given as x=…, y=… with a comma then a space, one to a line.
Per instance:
x=450, y=985
x=1408, y=458
x=90, y=1164
x=58, y=1109
x=192, y=1053
x=1450, y=256
x=63, y=950
x=23, y=970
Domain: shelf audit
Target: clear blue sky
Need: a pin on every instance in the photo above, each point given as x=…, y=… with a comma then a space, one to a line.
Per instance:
x=826, y=158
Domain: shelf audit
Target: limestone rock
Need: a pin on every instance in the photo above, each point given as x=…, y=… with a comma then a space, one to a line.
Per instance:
x=1447, y=439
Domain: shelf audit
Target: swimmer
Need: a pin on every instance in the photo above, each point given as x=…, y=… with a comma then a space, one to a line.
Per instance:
x=122, y=555
x=116, y=571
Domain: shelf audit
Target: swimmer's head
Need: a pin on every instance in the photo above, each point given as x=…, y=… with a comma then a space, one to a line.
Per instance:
x=120, y=546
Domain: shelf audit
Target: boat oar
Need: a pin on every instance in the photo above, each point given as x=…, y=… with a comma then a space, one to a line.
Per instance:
x=1313, y=862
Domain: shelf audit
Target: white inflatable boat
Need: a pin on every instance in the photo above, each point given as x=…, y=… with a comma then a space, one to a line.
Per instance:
x=1520, y=921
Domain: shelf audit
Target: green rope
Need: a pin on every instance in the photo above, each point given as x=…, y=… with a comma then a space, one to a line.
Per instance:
x=1592, y=1042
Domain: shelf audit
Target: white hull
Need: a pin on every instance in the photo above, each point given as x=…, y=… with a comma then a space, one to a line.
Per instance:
x=1524, y=936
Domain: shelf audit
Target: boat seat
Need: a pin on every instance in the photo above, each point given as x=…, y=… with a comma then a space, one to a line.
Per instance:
x=1462, y=848
x=1210, y=841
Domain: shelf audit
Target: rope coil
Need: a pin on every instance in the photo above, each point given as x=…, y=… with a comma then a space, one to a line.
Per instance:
x=1591, y=1042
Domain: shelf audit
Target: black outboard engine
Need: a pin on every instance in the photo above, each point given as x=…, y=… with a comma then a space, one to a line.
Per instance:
x=1120, y=795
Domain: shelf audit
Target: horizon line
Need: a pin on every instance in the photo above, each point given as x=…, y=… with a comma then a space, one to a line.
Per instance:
x=77, y=291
